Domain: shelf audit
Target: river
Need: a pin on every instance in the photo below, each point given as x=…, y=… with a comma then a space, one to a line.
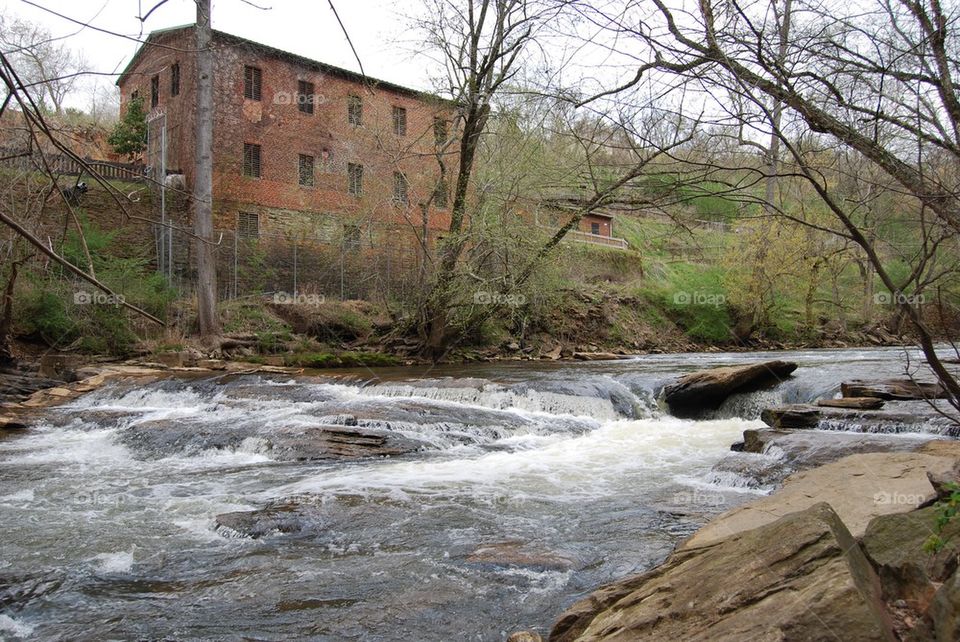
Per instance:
x=531, y=484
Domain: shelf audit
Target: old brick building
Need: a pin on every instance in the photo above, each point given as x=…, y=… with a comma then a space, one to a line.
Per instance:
x=299, y=144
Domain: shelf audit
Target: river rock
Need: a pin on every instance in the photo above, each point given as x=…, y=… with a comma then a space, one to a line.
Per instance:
x=596, y=356
x=281, y=519
x=799, y=577
x=900, y=416
x=894, y=545
x=859, y=487
x=943, y=616
x=863, y=403
x=513, y=554
x=802, y=449
x=890, y=389
x=707, y=389
x=161, y=438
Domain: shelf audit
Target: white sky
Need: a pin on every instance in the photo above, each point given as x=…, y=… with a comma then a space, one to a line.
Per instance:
x=379, y=31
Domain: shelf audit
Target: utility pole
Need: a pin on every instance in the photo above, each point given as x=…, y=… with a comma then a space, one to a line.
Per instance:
x=203, y=181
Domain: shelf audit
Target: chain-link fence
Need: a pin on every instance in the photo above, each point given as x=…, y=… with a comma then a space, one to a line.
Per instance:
x=380, y=265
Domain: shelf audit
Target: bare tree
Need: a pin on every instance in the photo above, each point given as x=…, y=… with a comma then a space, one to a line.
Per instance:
x=203, y=181
x=47, y=67
x=876, y=79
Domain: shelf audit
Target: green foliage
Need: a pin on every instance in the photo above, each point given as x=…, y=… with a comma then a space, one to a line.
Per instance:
x=270, y=341
x=695, y=299
x=60, y=310
x=341, y=360
x=129, y=136
x=947, y=510
x=44, y=315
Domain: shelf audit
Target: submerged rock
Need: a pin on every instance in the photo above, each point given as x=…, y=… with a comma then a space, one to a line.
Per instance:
x=518, y=554
x=707, y=389
x=282, y=519
x=799, y=577
x=286, y=443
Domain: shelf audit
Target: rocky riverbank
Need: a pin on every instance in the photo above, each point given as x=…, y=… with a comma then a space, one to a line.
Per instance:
x=836, y=552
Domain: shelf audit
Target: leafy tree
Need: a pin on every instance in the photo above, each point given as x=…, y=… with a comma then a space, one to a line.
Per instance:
x=129, y=137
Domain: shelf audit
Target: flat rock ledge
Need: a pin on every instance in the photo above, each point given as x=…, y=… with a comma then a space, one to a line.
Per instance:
x=799, y=577
x=707, y=389
x=858, y=487
x=835, y=554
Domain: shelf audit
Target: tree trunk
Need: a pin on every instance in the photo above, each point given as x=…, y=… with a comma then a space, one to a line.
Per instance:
x=203, y=181
x=7, y=359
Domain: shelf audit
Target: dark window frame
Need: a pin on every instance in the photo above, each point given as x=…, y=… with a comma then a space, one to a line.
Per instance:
x=248, y=225
x=399, y=120
x=595, y=228
x=252, y=160
x=401, y=189
x=175, y=79
x=154, y=91
x=306, y=170
x=252, y=82
x=355, y=110
x=305, y=96
x=355, y=179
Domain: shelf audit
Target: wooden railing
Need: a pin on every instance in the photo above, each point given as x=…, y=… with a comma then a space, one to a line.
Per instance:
x=596, y=239
x=68, y=166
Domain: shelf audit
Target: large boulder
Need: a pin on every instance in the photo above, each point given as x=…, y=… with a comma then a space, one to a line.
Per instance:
x=859, y=487
x=802, y=576
x=707, y=389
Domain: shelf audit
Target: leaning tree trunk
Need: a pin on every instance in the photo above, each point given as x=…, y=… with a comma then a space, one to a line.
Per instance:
x=203, y=181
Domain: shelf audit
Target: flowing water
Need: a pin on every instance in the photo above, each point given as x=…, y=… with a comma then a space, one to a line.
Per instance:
x=531, y=484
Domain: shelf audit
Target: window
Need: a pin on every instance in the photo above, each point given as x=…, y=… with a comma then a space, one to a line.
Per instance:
x=251, y=160
x=595, y=228
x=399, y=121
x=175, y=79
x=351, y=236
x=248, y=225
x=305, y=96
x=400, y=189
x=355, y=176
x=252, y=77
x=355, y=111
x=135, y=95
x=440, y=133
x=154, y=92
x=306, y=170
x=440, y=195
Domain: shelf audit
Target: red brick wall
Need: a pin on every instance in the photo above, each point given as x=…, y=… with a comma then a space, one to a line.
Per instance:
x=284, y=132
x=604, y=223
